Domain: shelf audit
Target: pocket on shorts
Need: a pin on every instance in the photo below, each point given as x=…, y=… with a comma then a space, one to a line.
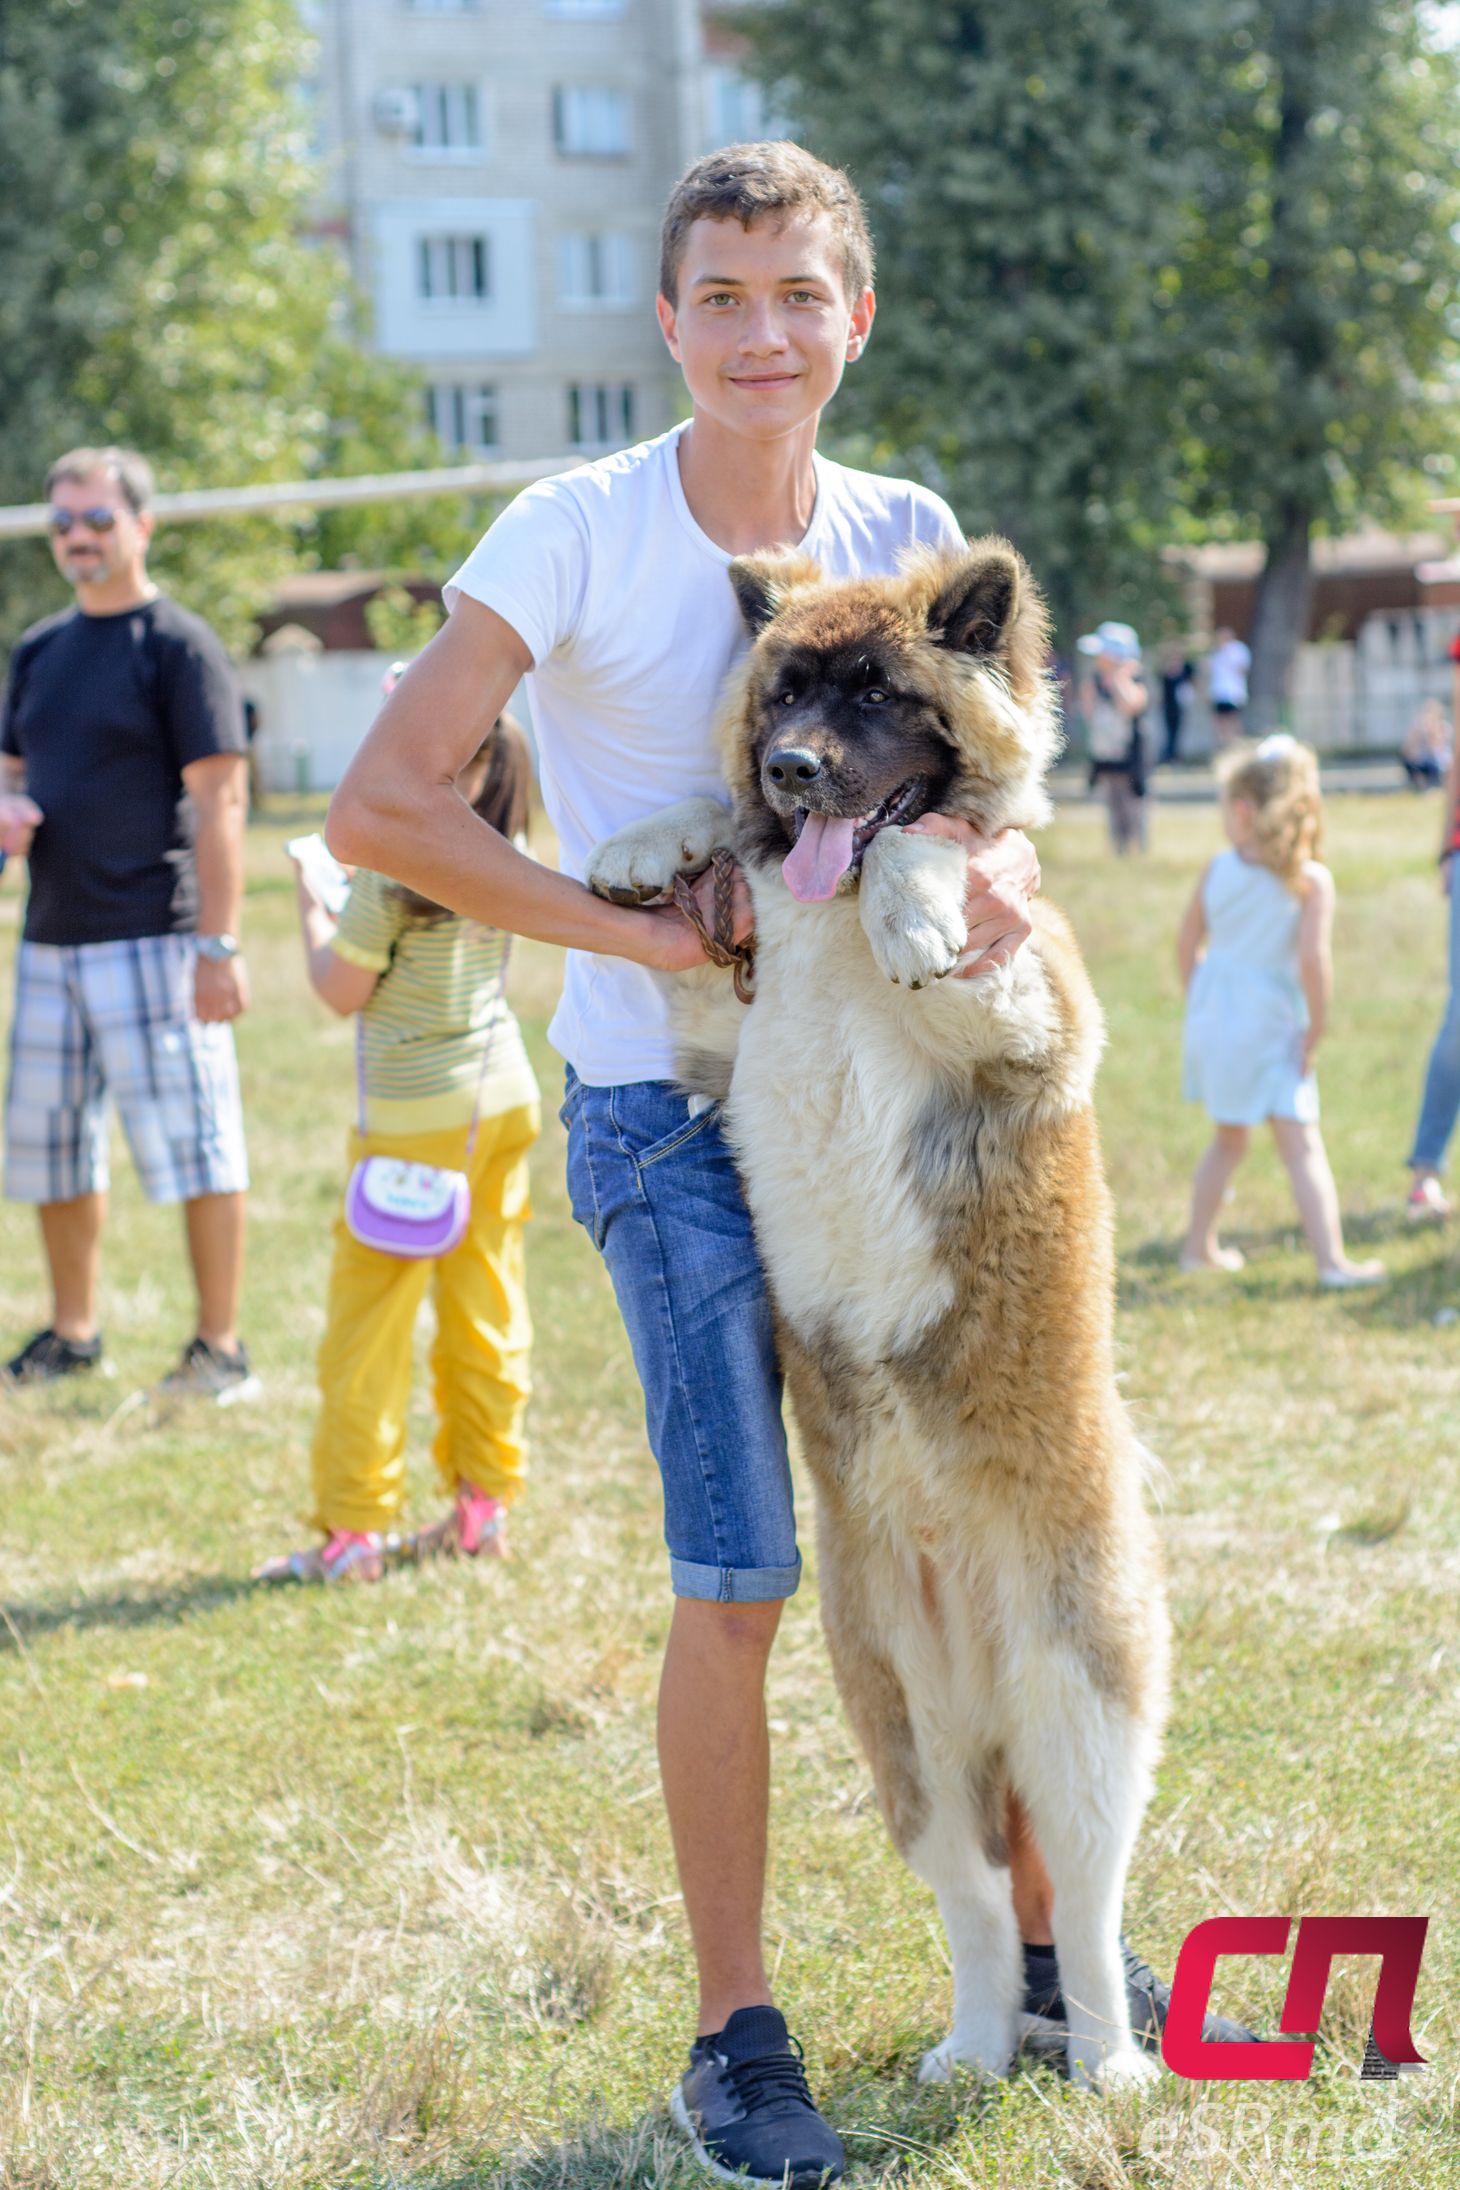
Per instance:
x=652, y=1121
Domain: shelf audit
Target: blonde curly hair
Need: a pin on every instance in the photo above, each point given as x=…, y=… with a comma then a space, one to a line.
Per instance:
x=1278, y=779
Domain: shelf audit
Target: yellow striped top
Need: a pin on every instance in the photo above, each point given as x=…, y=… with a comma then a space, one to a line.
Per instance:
x=429, y=1017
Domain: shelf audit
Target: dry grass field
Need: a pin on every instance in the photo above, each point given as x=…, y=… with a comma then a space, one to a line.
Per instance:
x=305, y=1890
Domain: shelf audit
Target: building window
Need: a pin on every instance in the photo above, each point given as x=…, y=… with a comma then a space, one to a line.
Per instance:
x=595, y=270
x=584, y=11
x=453, y=268
x=736, y=109
x=600, y=415
x=448, y=119
x=590, y=119
x=463, y=414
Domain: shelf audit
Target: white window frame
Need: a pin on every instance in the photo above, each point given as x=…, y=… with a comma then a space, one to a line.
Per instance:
x=601, y=415
x=454, y=407
x=448, y=128
x=453, y=270
x=592, y=121
x=597, y=270
x=442, y=7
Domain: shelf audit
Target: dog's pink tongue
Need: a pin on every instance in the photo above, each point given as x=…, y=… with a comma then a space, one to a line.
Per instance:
x=820, y=857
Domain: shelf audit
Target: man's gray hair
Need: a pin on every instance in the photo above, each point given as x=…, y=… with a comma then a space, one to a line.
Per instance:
x=132, y=473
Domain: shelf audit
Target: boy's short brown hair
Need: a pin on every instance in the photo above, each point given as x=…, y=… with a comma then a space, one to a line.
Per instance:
x=750, y=182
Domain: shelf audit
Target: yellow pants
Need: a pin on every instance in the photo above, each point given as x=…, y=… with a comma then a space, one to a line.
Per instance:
x=479, y=1361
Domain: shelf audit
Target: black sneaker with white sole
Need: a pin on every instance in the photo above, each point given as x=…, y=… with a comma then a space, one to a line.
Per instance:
x=1148, y=1999
x=47, y=1357
x=207, y=1372
x=745, y=2106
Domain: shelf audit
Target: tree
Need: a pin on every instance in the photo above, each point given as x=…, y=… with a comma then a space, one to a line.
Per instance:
x=1026, y=171
x=1320, y=288
x=158, y=287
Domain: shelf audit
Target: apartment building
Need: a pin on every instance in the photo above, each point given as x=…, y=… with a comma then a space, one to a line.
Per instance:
x=497, y=170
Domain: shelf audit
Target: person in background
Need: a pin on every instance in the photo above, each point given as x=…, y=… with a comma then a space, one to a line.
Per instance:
x=1428, y=1202
x=1114, y=701
x=440, y=1057
x=1227, y=668
x=123, y=782
x=1255, y=953
x=1178, y=682
x=1425, y=753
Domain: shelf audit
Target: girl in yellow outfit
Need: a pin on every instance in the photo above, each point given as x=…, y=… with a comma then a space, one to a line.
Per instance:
x=428, y=987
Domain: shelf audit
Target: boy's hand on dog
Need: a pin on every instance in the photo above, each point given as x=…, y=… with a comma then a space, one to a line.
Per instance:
x=676, y=947
x=1003, y=875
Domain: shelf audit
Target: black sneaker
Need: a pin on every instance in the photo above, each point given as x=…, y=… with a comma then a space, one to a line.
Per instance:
x=1147, y=1996
x=746, y=2108
x=207, y=1372
x=49, y=1357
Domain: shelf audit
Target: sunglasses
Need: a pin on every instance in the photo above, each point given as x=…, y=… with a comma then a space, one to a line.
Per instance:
x=95, y=520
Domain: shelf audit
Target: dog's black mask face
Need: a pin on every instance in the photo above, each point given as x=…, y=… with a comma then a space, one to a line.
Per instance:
x=871, y=702
x=841, y=733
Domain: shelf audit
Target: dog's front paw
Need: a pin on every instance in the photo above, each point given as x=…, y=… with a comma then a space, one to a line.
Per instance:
x=640, y=862
x=983, y=2054
x=911, y=904
x=1123, y=2068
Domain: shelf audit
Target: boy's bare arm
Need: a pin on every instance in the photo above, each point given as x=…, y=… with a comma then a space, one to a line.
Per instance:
x=398, y=811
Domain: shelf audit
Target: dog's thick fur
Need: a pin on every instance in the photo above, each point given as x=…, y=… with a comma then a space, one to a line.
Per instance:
x=921, y=1162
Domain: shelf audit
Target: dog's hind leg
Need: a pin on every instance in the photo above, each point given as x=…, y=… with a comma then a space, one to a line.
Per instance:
x=1082, y=1765
x=977, y=1909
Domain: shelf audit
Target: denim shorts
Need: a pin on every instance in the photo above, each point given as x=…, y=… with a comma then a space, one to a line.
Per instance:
x=655, y=1186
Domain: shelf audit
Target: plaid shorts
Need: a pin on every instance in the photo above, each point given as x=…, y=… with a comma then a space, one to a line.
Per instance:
x=103, y=1023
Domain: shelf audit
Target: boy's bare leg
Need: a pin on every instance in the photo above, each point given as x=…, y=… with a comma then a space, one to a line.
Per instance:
x=216, y=1225
x=714, y=1758
x=71, y=1235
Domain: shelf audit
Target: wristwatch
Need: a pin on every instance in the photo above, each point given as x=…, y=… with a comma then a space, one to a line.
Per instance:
x=218, y=949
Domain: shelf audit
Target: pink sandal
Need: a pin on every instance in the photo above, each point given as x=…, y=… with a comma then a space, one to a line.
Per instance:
x=475, y=1528
x=347, y=1555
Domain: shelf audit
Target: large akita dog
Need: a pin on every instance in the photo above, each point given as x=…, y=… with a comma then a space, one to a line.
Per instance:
x=921, y=1162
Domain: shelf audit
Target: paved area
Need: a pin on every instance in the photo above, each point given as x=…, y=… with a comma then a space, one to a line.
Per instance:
x=1192, y=784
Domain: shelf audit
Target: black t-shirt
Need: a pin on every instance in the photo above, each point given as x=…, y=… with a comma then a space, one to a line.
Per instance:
x=106, y=712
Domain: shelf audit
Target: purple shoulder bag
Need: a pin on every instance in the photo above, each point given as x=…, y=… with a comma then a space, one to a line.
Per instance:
x=415, y=1211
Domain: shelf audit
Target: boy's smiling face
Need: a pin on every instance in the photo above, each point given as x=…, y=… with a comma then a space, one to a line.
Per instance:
x=763, y=328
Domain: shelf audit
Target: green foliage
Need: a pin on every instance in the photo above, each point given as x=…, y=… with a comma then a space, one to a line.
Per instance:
x=1322, y=279
x=1146, y=271
x=399, y=623
x=159, y=287
x=1024, y=170
x=1319, y=287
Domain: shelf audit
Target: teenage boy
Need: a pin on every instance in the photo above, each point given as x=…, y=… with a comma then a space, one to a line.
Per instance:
x=608, y=586
x=123, y=782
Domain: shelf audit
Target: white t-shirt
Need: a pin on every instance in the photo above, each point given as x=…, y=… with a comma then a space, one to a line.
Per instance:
x=632, y=624
x=1227, y=674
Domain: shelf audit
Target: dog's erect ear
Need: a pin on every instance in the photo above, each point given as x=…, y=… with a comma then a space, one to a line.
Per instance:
x=974, y=610
x=764, y=583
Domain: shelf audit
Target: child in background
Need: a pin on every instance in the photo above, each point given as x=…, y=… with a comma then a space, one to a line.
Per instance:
x=428, y=988
x=1255, y=956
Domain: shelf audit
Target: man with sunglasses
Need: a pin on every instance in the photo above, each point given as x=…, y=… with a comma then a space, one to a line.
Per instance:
x=123, y=783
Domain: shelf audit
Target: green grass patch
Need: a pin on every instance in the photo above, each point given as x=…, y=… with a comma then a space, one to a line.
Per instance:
x=306, y=1890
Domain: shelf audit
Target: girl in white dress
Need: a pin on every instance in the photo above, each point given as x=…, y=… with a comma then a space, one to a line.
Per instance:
x=1256, y=964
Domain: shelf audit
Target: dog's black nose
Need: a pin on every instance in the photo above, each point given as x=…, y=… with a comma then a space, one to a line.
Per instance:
x=792, y=764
